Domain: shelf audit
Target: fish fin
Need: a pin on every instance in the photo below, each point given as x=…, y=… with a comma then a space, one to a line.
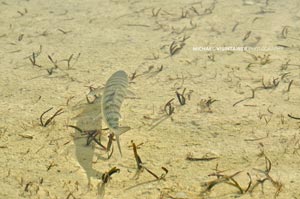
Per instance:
x=120, y=131
x=97, y=91
x=120, y=116
x=130, y=94
x=119, y=145
x=123, y=129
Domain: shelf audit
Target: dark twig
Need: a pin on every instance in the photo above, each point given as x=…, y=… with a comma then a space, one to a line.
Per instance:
x=63, y=31
x=52, y=164
x=107, y=175
x=293, y=117
x=164, y=174
x=91, y=136
x=205, y=104
x=58, y=112
x=195, y=10
x=23, y=13
x=278, y=185
x=169, y=109
x=69, y=65
x=155, y=14
x=223, y=179
x=140, y=165
x=191, y=158
x=53, y=62
x=289, y=86
x=180, y=97
x=69, y=60
x=271, y=85
x=26, y=136
x=247, y=98
x=105, y=179
x=284, y=32
x=33, y=60
x=250, y=183
x=153, y=174
x=136, y=156
x=41, y=117
x=184, y=13
x=235, y=26
x=27, y=186
x=133, y=75
x=247, y=35
x=175, y=47
x=20, y=37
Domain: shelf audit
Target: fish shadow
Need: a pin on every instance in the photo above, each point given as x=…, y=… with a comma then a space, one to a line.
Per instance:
x=89, y=120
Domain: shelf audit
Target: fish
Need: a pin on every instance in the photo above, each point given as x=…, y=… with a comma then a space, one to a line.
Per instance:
x=114, y=92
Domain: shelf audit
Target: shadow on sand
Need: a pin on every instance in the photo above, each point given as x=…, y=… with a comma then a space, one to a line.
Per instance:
x=88, y=120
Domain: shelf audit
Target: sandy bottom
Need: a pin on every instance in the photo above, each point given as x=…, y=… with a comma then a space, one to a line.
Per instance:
x=235, y=132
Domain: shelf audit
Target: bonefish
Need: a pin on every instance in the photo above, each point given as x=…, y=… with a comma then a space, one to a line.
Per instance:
x=113, y=95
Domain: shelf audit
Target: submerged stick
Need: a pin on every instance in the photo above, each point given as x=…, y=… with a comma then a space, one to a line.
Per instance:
x=58, y=112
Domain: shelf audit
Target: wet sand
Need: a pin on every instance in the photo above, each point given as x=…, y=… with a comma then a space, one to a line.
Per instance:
x=237, y=103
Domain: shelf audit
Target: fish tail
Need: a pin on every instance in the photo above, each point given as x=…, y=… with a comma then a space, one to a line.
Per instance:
x=119, y=132
x=119, y=145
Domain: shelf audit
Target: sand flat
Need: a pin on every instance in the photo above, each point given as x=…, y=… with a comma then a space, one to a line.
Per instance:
x=239, y=105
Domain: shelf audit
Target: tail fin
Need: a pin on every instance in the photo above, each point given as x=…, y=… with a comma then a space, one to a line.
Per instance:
x=120, y=131
x=118, y=142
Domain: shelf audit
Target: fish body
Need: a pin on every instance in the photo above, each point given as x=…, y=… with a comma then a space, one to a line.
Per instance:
x=113, y=96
